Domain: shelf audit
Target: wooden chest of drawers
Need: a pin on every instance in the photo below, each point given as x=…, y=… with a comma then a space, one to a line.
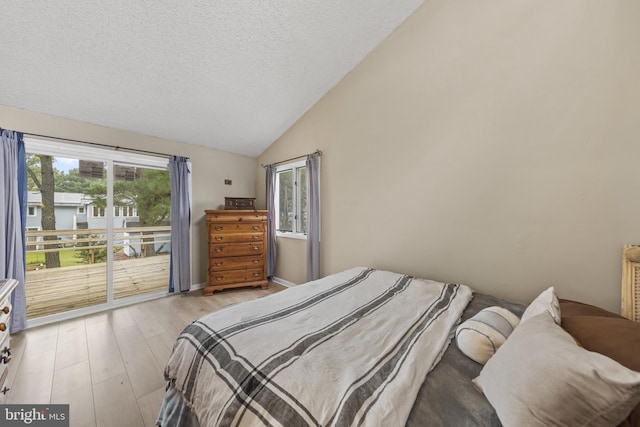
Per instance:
x=237, y=249
x=6, y=288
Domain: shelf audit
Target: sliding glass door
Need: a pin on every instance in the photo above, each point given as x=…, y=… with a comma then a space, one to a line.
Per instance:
x=66, y=235
x=97, y=228
x=141, y=230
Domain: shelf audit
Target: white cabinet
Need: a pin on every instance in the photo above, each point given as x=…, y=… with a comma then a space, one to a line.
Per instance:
x=6, y=288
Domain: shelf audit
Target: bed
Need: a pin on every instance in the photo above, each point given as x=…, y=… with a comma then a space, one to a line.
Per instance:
x=363, y=347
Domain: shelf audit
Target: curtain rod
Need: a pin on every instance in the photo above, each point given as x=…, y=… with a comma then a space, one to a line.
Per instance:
x=317, y=153
x=97, y=144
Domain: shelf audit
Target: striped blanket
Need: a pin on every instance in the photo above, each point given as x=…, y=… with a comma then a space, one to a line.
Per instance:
x=351, y=349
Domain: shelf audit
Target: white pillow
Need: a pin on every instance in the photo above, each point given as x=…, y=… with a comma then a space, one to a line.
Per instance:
x=546, y=301
x=480, y=336
x=541, y=377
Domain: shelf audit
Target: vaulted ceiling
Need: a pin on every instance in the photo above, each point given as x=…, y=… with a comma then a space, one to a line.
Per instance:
x=231, y=75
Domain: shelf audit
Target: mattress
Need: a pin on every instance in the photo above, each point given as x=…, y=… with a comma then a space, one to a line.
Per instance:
x=446, y=398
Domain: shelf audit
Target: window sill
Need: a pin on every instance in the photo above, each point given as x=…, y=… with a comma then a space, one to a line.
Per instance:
x=292, y=235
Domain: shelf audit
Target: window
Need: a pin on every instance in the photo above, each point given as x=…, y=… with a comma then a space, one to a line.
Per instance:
x=81, y=210
x=32, y=238
x=291, y=200
x=129, y=211
x=97, y=212
x=32, y=211
x=124, y=211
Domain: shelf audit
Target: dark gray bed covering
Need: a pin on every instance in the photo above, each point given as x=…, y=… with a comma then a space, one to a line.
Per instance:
x=448, y=398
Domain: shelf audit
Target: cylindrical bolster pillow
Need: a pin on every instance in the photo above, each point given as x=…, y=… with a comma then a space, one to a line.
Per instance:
x=480, y=336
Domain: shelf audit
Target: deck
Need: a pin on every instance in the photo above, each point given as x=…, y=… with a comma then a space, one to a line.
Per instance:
x=55, y=290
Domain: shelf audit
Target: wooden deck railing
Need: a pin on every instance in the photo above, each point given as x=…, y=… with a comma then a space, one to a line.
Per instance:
x=50, y=240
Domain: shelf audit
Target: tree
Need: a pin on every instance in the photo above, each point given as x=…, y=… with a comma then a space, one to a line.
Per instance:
x=45, y=183
x=93, y=255
x=69, y=182
x=149, y=193
x=72, y=182
x=33, y=172
x=285, y=183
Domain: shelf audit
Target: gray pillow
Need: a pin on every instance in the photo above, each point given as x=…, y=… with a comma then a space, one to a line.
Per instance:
x=541, y=377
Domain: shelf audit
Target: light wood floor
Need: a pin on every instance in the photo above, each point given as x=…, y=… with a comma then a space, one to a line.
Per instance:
x=108, y=366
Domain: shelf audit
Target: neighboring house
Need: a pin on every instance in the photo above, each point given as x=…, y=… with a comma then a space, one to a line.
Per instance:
x=70, y=213
x=70, y=209
x=74, y=211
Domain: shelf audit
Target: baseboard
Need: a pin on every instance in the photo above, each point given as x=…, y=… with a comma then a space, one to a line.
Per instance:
x=196, y=286
x=283, y=282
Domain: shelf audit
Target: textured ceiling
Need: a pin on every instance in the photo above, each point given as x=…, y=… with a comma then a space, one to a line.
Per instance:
x=231, y=75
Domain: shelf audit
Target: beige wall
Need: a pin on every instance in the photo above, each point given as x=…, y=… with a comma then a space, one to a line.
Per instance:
x=209, y=167
x=491, y=143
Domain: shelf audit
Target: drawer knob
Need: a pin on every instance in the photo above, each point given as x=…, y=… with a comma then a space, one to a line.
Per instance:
x=255, y=248
x=219, y=277
x=257, y=237
x=256, y=227
x=6, y=310
x=256, y=261
x=217, y=228
x=218, y=238
x=256, y=274
x=217, y=249
x=218, y=264
x=3, y=327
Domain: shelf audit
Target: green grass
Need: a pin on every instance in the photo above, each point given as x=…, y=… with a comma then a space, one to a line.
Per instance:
x=67, y=258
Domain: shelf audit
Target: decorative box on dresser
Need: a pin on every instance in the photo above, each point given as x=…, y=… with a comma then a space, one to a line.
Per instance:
x=6, y=289
x=237, y=249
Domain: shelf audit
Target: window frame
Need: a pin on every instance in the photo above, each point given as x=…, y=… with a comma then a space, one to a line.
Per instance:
x=35, y=211
x=102, y=212
x=296, y=233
